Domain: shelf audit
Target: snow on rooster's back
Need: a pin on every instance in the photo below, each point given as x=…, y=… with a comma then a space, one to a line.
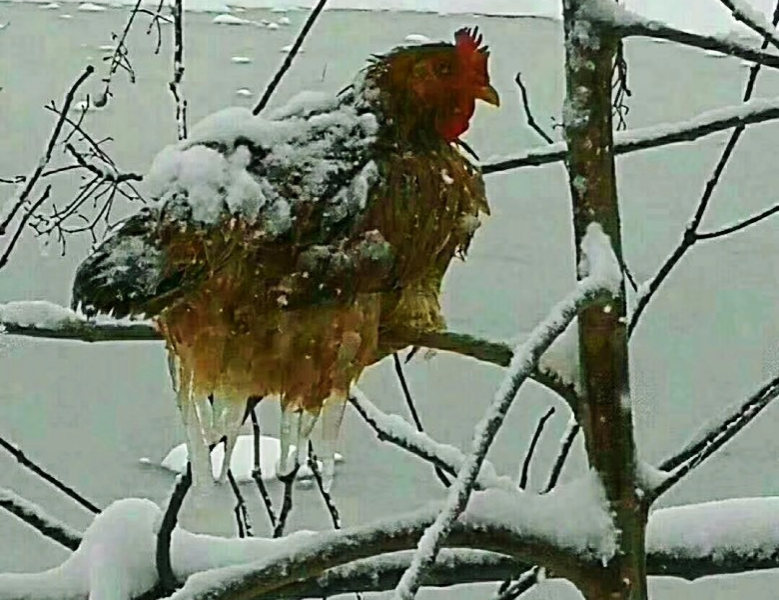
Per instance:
x=317, y=148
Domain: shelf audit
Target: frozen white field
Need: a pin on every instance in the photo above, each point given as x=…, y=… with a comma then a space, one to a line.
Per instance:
x=90, y=412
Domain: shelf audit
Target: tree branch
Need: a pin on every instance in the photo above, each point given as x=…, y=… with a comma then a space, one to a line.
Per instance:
x=525, y=472
x=413, y=410
x=23, y=460
x=706, y=123
x=714, y=436
x=167, y=579
x=36, y=517
x=691, y=235
x=760, y=26
x=398, y=431
x=289, y=58
x=617, y=20
x=13, y=205
x=69, y=325
x=522, y=365
x=178, y=69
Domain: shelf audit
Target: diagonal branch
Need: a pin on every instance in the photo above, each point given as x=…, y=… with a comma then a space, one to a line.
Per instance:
x=706, y=123
x=754, y=20
x=715, y=435
x=36, y=517
x=625, y=23
x=398, y=431
x=285, y=66
x=522, y=365
x=525, y=472
x=690, y=236
x=15, y=203
x=23, y=460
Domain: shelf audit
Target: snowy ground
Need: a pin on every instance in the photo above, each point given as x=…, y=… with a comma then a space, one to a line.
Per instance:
x=89, y=412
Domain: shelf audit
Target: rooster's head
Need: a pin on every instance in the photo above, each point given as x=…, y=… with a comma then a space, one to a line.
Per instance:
x=433, y=88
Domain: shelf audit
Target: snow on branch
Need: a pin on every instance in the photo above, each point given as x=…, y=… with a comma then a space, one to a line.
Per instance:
x=706, y=123
x=116, y=558
x=46, y=320
x=627, y=23
x=43, y=319
x=601, y=273
x=115, y=561
x=395, y=429
x=36, y=517
x=754, y=19
x=713, y=435
x=381, y=573
x=724, y=536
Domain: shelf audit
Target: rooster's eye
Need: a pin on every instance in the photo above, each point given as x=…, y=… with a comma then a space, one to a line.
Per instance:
x=443, y=70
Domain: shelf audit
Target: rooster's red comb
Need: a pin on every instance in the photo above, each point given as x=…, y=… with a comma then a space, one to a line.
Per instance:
x=468, y=41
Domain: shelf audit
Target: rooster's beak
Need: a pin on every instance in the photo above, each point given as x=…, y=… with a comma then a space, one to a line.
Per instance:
x=488, y=94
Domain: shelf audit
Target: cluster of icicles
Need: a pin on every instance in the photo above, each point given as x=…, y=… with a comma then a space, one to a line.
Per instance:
x=209, y=421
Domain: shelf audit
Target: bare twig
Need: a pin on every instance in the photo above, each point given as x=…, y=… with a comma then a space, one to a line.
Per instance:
x=119, y=57
x=19, y=199
x=562, y=457
x=710, y=235
x=413, y=410
x=327, y=497
x=22, y=224
x=531, y=121
x=241, y=512
x=167, y=579
x=36, y=517
x=286, y=504
x=285, y=66
x=21, y=457
x=257, y=471
x=620, y=88
x=690, y=236
x=525, y=472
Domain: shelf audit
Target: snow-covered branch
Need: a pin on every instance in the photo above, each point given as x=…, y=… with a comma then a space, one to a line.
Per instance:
x=42, y=319
x=715, y=434
x=692, y=541
x=117, y=552
x=627, y=23
x=36, y=517
x=395, y=429
x=601, y=274
x=753, y=19
x=706, y=123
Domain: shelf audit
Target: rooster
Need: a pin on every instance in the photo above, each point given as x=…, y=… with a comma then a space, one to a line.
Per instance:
x=283, y=254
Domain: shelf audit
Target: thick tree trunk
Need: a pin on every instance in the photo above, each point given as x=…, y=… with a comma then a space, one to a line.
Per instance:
x=605, y=413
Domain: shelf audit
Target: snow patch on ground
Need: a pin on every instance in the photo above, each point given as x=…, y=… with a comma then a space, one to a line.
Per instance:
x=91, y=7
x=242, y=463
